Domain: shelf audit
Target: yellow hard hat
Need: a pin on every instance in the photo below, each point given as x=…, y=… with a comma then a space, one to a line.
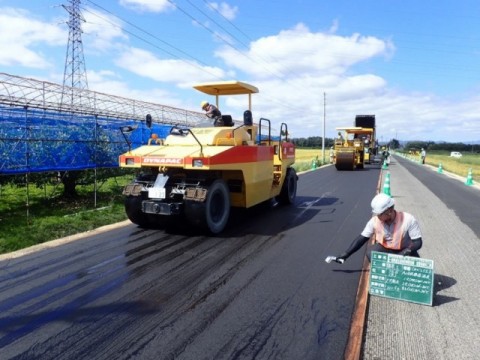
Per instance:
x=203, y=104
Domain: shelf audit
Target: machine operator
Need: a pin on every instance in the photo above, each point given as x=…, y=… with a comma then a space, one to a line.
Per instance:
x=212, y=112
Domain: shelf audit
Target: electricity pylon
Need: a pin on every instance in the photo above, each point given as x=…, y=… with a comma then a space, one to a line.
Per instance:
x=75, y=73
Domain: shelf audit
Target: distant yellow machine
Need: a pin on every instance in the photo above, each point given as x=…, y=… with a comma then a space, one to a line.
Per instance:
x=356, y=145
x=200, y=173
x=350, y=148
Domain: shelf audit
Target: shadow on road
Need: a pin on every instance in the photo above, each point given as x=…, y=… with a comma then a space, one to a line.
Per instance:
x=442, y=282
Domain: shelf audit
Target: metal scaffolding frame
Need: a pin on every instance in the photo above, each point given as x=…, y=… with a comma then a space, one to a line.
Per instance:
x=23, y=92
x=19, y=95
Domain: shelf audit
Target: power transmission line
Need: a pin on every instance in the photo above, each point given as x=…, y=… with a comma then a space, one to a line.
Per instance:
x=267, y=65
x=151, y=35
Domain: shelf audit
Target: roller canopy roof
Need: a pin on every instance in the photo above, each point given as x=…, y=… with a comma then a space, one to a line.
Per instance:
x=226, y=88
x=356, y=130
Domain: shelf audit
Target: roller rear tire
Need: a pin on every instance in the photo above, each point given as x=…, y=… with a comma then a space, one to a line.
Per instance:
x=133, y=209
x=289, y=188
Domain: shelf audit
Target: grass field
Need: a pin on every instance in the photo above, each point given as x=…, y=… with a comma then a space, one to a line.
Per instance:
x=33, y=215
x=305, y=157
x=459, y=166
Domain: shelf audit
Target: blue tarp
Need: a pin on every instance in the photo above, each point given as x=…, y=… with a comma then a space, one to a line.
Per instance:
x=33, y=140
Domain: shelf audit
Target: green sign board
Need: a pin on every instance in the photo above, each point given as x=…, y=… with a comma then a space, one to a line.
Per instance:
x=401, y=277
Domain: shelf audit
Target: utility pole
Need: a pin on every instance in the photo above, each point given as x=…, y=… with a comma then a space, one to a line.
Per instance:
x=75, y=73
x=324, y=118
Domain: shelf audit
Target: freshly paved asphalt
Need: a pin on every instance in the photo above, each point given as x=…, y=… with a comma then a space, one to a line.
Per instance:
x=261, y=290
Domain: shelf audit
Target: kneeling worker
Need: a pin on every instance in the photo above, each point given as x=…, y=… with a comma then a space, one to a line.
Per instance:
x=396, y=232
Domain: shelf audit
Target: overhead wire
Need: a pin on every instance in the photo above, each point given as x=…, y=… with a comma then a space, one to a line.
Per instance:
x=151, y=35
x=193, y=18
x=209, y=4
x=198, y=22
x=278, y=74
x=213, y=20
x=195, y=59
x=163, y=41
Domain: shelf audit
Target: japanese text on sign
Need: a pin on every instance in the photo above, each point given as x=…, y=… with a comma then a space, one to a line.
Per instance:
x=402, y=277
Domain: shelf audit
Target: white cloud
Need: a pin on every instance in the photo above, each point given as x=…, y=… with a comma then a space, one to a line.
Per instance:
x=156, y=6
x=101, y=30
x=108, y=82
x=175, y=71
x=294, y=68
x=298, y=51
x=22, y=35
x=350, y=88
x=228, y=11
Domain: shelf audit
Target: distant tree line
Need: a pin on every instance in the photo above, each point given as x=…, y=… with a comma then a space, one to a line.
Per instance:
x=312, y=142
x=434, y=146
x=316, y=142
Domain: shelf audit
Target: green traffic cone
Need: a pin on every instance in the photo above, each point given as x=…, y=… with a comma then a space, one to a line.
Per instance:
x=386, y=185
x=469, y=180
x=440, y=169
x=384, y=166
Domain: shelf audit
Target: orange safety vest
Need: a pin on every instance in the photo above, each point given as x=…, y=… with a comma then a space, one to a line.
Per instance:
x=397, y=234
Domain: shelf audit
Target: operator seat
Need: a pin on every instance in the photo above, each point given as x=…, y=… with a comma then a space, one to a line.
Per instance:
x=227, y=120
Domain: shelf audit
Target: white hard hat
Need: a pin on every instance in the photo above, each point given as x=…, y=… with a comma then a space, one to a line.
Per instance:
x=380, y=203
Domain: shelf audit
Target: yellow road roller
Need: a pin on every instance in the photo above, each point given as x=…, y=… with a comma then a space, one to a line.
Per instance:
x=350, y=146
x=199, y=173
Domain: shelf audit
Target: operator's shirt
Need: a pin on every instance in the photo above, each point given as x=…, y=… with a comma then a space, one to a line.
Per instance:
x=410, y=227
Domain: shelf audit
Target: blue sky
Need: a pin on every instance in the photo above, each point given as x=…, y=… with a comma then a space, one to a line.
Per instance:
x=414, y=64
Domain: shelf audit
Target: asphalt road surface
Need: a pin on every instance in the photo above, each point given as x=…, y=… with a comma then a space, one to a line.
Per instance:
x=261, y=290
x=463, y=200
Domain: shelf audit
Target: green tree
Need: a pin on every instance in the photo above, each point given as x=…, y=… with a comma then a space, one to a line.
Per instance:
x=394, y=144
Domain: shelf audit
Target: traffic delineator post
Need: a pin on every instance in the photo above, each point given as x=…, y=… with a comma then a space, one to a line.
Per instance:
x=384, y=166
x=440, y=169
x=386, y=185
x=469, y=180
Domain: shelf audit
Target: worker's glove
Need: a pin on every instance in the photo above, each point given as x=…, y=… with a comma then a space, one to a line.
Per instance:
x=338, y=259
x=342, y=258
x=406, y=252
